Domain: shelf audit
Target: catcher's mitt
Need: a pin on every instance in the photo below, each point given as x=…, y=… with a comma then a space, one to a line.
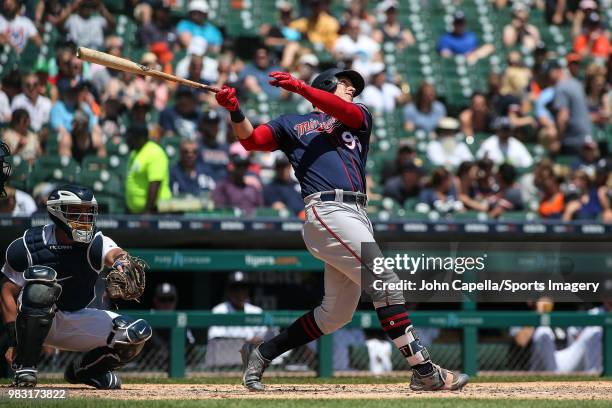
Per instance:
x=126, y=280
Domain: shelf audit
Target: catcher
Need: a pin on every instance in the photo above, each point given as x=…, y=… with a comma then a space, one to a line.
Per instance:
x=48, y=283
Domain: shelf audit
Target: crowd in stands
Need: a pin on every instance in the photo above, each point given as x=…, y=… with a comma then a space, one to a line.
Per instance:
x=535, y=139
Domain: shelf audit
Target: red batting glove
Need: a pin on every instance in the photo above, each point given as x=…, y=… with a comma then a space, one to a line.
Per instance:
x=286, y=81
x=226, y=97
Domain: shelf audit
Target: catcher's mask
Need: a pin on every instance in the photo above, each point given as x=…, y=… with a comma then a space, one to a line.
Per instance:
x=74, y=209
x=5, y=166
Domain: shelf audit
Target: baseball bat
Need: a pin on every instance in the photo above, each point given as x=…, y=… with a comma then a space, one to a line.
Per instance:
x=122, y=64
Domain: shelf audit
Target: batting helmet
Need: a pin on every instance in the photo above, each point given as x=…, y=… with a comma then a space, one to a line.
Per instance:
x=5, y=166
x=328, y=80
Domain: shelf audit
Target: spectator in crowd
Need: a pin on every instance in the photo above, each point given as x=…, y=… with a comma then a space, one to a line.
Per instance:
x=594, y=40
x=222, y=339
x=477, y=118
x=155, y=24
x=358, y=47
x=82, y=26
x=234, y=191
x=307, y=67
x=197, y=49
x=101, y=76
x=440, y=194
x=197, y=25
x=468, y=191
x=358, y=9
x=214, y=153
x=147, y=179
x=512, y=101
x=486, y=177
x=112, y=123
x=15, y=29
x=406, y=185
x=425, y=112
x=37, y=106
x=589, y=157
x=11, y=85
x=381, y=95
x=283, y=193
x=83, y=141
x=573, y=64
x=281, y=38
x=182, y=118
x=319, y=27
x=462, y=42
x=519, y=31
x=72, y=99
x=547, y=135
x=255, y=74
x=583, y=202
x=446, y=149
x=552, y=201
x=572, y=111
x=17, y=203
x=390, y=30
x=188, y=176
x=147, y=87
x=20, y=140
x=597, y=96
x=508, y=197
x=391, y=168
x=503, y=147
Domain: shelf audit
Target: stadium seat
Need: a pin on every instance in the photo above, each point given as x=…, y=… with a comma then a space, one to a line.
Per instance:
x=55, y=168
x=20, y=173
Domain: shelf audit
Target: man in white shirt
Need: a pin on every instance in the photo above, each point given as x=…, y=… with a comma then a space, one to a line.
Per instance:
x=15, y=29
x=362, y=49
x=37, y=106
x=84, y=27
x=197, y=48
x=446, y=150
x=503, y=147
x=379, y=95
x=223, y=341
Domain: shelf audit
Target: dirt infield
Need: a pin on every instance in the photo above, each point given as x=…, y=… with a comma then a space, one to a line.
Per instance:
x=596, y=390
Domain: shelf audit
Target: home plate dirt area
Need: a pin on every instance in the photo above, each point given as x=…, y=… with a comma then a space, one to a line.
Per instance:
x=550, y=390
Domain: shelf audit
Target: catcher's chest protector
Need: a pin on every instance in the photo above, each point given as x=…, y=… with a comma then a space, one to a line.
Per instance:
x=75, y=272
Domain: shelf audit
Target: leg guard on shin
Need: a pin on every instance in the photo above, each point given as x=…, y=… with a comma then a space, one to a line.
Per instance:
x=411, y=348
x=96, y=367
x=35, y=314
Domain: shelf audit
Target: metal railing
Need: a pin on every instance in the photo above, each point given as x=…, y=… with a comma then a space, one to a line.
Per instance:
x=469, y=322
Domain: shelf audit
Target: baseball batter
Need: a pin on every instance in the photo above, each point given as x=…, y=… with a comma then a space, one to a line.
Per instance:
x=328, y=149
x=48, y=283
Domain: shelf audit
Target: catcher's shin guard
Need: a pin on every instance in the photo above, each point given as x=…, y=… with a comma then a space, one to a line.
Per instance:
x=96, y=367
x=35, y=315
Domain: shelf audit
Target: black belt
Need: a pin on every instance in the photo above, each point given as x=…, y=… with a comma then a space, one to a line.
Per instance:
x=347, y=197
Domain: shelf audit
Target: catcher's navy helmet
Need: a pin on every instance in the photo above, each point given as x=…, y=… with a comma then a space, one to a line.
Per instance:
x=74, y=209
x=328, y=80
x=5, y=167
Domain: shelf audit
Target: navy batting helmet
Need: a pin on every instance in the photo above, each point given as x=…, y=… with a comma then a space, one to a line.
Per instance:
x=328, y=80
x=5, y=167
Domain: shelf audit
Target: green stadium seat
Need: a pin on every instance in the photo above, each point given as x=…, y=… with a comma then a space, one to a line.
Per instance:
x=20, y=173
x=60, y=169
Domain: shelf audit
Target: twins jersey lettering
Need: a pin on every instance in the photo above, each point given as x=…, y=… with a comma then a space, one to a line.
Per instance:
x=324, y=153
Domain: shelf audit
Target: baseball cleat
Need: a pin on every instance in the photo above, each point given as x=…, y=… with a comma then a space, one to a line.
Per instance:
x=103, y=381
x=253, y=366
x=439, y=379
x=25, y=377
